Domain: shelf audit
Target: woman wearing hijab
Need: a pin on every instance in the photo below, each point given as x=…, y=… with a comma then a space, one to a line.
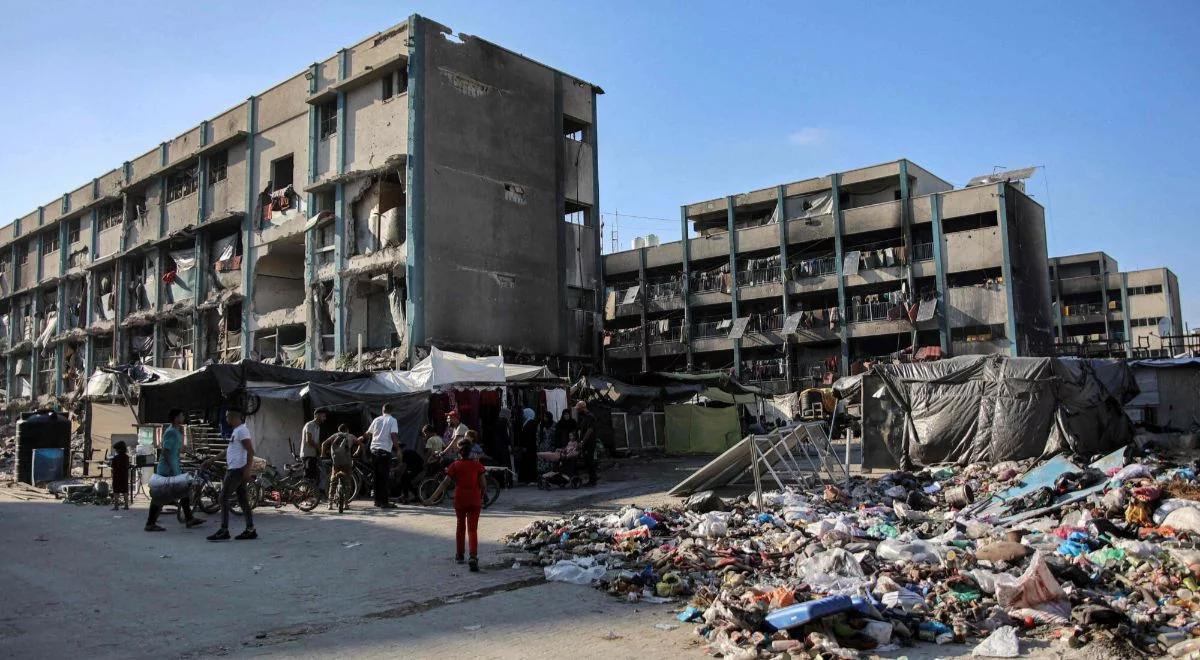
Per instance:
x=527, y=445
x=545, y=440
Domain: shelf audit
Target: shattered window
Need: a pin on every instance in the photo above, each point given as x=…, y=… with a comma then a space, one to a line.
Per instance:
x=182, y=183
x=50, y=243
x=73, y=231
x=22, y=253
x=217, y=166
x=328, y=119
x=110, y=215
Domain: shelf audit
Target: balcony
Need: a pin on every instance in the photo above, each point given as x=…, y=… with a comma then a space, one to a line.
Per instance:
x=922, y=252
x=974, y=306
x=872, y=218
x=758, y=276
x=711, y=329
x=1085, y=313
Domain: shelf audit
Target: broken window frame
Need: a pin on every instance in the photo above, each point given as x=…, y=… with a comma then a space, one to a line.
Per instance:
x=276, y=169
x=182, y=183
x=218, y=167
x=22, y=253
x=74, y=228
x=110, y=216
x=50, y=243
x=327, y=120
x=394, y=83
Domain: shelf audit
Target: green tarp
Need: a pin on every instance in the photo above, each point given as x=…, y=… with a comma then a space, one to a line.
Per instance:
x=693, y=429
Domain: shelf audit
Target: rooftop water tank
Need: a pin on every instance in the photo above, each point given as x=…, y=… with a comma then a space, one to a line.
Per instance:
x=639, y=243
x=652, y=240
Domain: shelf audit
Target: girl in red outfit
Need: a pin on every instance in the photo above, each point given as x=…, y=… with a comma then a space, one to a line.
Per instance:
x=468, y=477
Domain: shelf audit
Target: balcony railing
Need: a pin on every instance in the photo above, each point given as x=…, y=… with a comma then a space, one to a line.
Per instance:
x=671, y=334
x=813, y=267
x=876, y=311
x=664, y=290
x=1087, y=309
x=757, y=276
x=711, y=329
x=707, y=282
x=922, y=252
x=765, y=323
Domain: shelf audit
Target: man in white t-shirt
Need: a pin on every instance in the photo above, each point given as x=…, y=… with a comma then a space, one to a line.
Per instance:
x=310, y=446
x=384, y=434
x=239, y=457
x=455, y=430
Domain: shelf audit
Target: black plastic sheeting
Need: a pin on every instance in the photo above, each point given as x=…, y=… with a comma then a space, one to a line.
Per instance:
x=212, y=385
x=996, y=408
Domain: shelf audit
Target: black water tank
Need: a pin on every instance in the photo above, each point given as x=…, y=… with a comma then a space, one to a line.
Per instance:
x=44, y=429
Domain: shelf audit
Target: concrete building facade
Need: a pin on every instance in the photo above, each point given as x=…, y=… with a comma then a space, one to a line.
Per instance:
x=1100, y=310
x=417, y=188
x=792, y=285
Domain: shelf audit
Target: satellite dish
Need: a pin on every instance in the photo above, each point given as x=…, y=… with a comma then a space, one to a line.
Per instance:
x=998, y=177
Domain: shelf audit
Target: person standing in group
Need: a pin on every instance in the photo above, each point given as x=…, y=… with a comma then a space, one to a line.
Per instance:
x=119, y=463
x=527, y=446
x=563, y=430
x=239, y=459
x=455, y=429
x=546, y=440
x=469, y=486
x=385, y=439
x=434, y=445
x=168, y=466
x=587, y=439
x=310, y=446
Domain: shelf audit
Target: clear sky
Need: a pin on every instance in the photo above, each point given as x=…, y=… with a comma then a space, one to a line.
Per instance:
x=703, y=99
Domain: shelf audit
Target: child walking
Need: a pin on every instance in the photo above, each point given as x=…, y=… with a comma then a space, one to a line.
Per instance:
x=468, y=477
x=119, y=462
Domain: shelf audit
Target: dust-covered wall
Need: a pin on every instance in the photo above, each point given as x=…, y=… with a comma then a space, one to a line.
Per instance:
x=491, y=214
x=1031, y=273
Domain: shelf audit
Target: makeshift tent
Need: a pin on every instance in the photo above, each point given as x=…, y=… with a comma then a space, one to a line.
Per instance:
x=992, y=408
x=693, y=429
x=1169, y=393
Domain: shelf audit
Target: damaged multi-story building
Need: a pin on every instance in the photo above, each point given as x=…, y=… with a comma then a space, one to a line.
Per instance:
x=1102, y=311
x=417, y=188
x=792, y=285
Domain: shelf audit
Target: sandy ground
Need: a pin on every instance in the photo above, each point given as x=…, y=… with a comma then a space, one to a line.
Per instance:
x=85, y=581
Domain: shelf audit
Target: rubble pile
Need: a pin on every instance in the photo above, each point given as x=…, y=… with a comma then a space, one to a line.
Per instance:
x=986, y=554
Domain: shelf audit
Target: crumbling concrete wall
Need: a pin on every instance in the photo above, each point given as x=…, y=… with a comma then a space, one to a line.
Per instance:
x=387, y=134
x=491, y=246
x=1031, y=274
x=229, y=195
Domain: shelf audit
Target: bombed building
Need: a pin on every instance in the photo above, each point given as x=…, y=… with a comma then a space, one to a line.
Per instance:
x=417, y=188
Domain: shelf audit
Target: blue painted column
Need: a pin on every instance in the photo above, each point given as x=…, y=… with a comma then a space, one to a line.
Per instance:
x=249, y=223
x=592, y=138
x=341, y=343
x=1104, y=297
x=200, y=254
x=89, y=355
x=731, y=226
x=780, y=209
x=1125, y=315
x=414, y=211
x=1058, y=301
x=35, y=357
x=60, y=304
x=312, y=326
x=13, y=333
x=939, y=262
x=641, y=302
x=686, y=246
x=906, y=236
x=158, y=300
x=1006, y=269
x=838, y=254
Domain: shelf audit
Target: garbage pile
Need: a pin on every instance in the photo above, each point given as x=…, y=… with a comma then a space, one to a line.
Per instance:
x=1100, y=554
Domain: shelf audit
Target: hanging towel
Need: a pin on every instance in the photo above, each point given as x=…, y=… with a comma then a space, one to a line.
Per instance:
x=556, y=402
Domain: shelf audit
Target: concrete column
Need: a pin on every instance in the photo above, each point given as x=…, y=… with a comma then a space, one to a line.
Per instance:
x=1104, y=297
x=311, y=325
x=564, y=314
x=906, y=236
x=1058, y=305
x=642, y=309
x=1125, y=315
x=89, y=356
x=35, y=357
x=730, y=215
x=838, y=253
x=60, y=302
x=591, y=137
x=157, y=302
x=1007, y=269
x=414, y=212
x=687, y=287
x=939, y=262
x=249, y=222
x=780, y=196
x=339, y=262
x=12, y=315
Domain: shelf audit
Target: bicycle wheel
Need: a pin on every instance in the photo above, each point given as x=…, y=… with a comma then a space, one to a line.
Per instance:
x=355, y=486
x=341, y=491
x=254, y=495
x=427, y=489
x=209, y=498
x=492, y=492
x=305, y=495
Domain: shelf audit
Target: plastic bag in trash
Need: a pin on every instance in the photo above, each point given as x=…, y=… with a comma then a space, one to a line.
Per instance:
x=1002, y=643
x=834, y=571
x=575, y=572
x=1167, y=506
x=169, y=489
x=714, y=524
x=917, y=552
x=1036, y=589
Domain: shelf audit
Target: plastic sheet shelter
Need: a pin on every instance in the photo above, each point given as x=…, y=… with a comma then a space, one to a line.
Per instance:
x=993, y=408
x=1169, y=393
x=693, y=429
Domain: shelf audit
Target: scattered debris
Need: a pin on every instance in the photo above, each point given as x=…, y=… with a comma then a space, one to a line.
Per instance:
x=477, y=626
x=1068, y=551
x=351, y=544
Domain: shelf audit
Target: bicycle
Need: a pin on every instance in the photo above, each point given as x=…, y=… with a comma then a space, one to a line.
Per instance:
x=428, y=488
x=292, y=488
x=206, y=486
x=340, y=490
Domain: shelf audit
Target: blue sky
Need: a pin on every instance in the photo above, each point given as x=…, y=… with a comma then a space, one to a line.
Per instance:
x=703, y=99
